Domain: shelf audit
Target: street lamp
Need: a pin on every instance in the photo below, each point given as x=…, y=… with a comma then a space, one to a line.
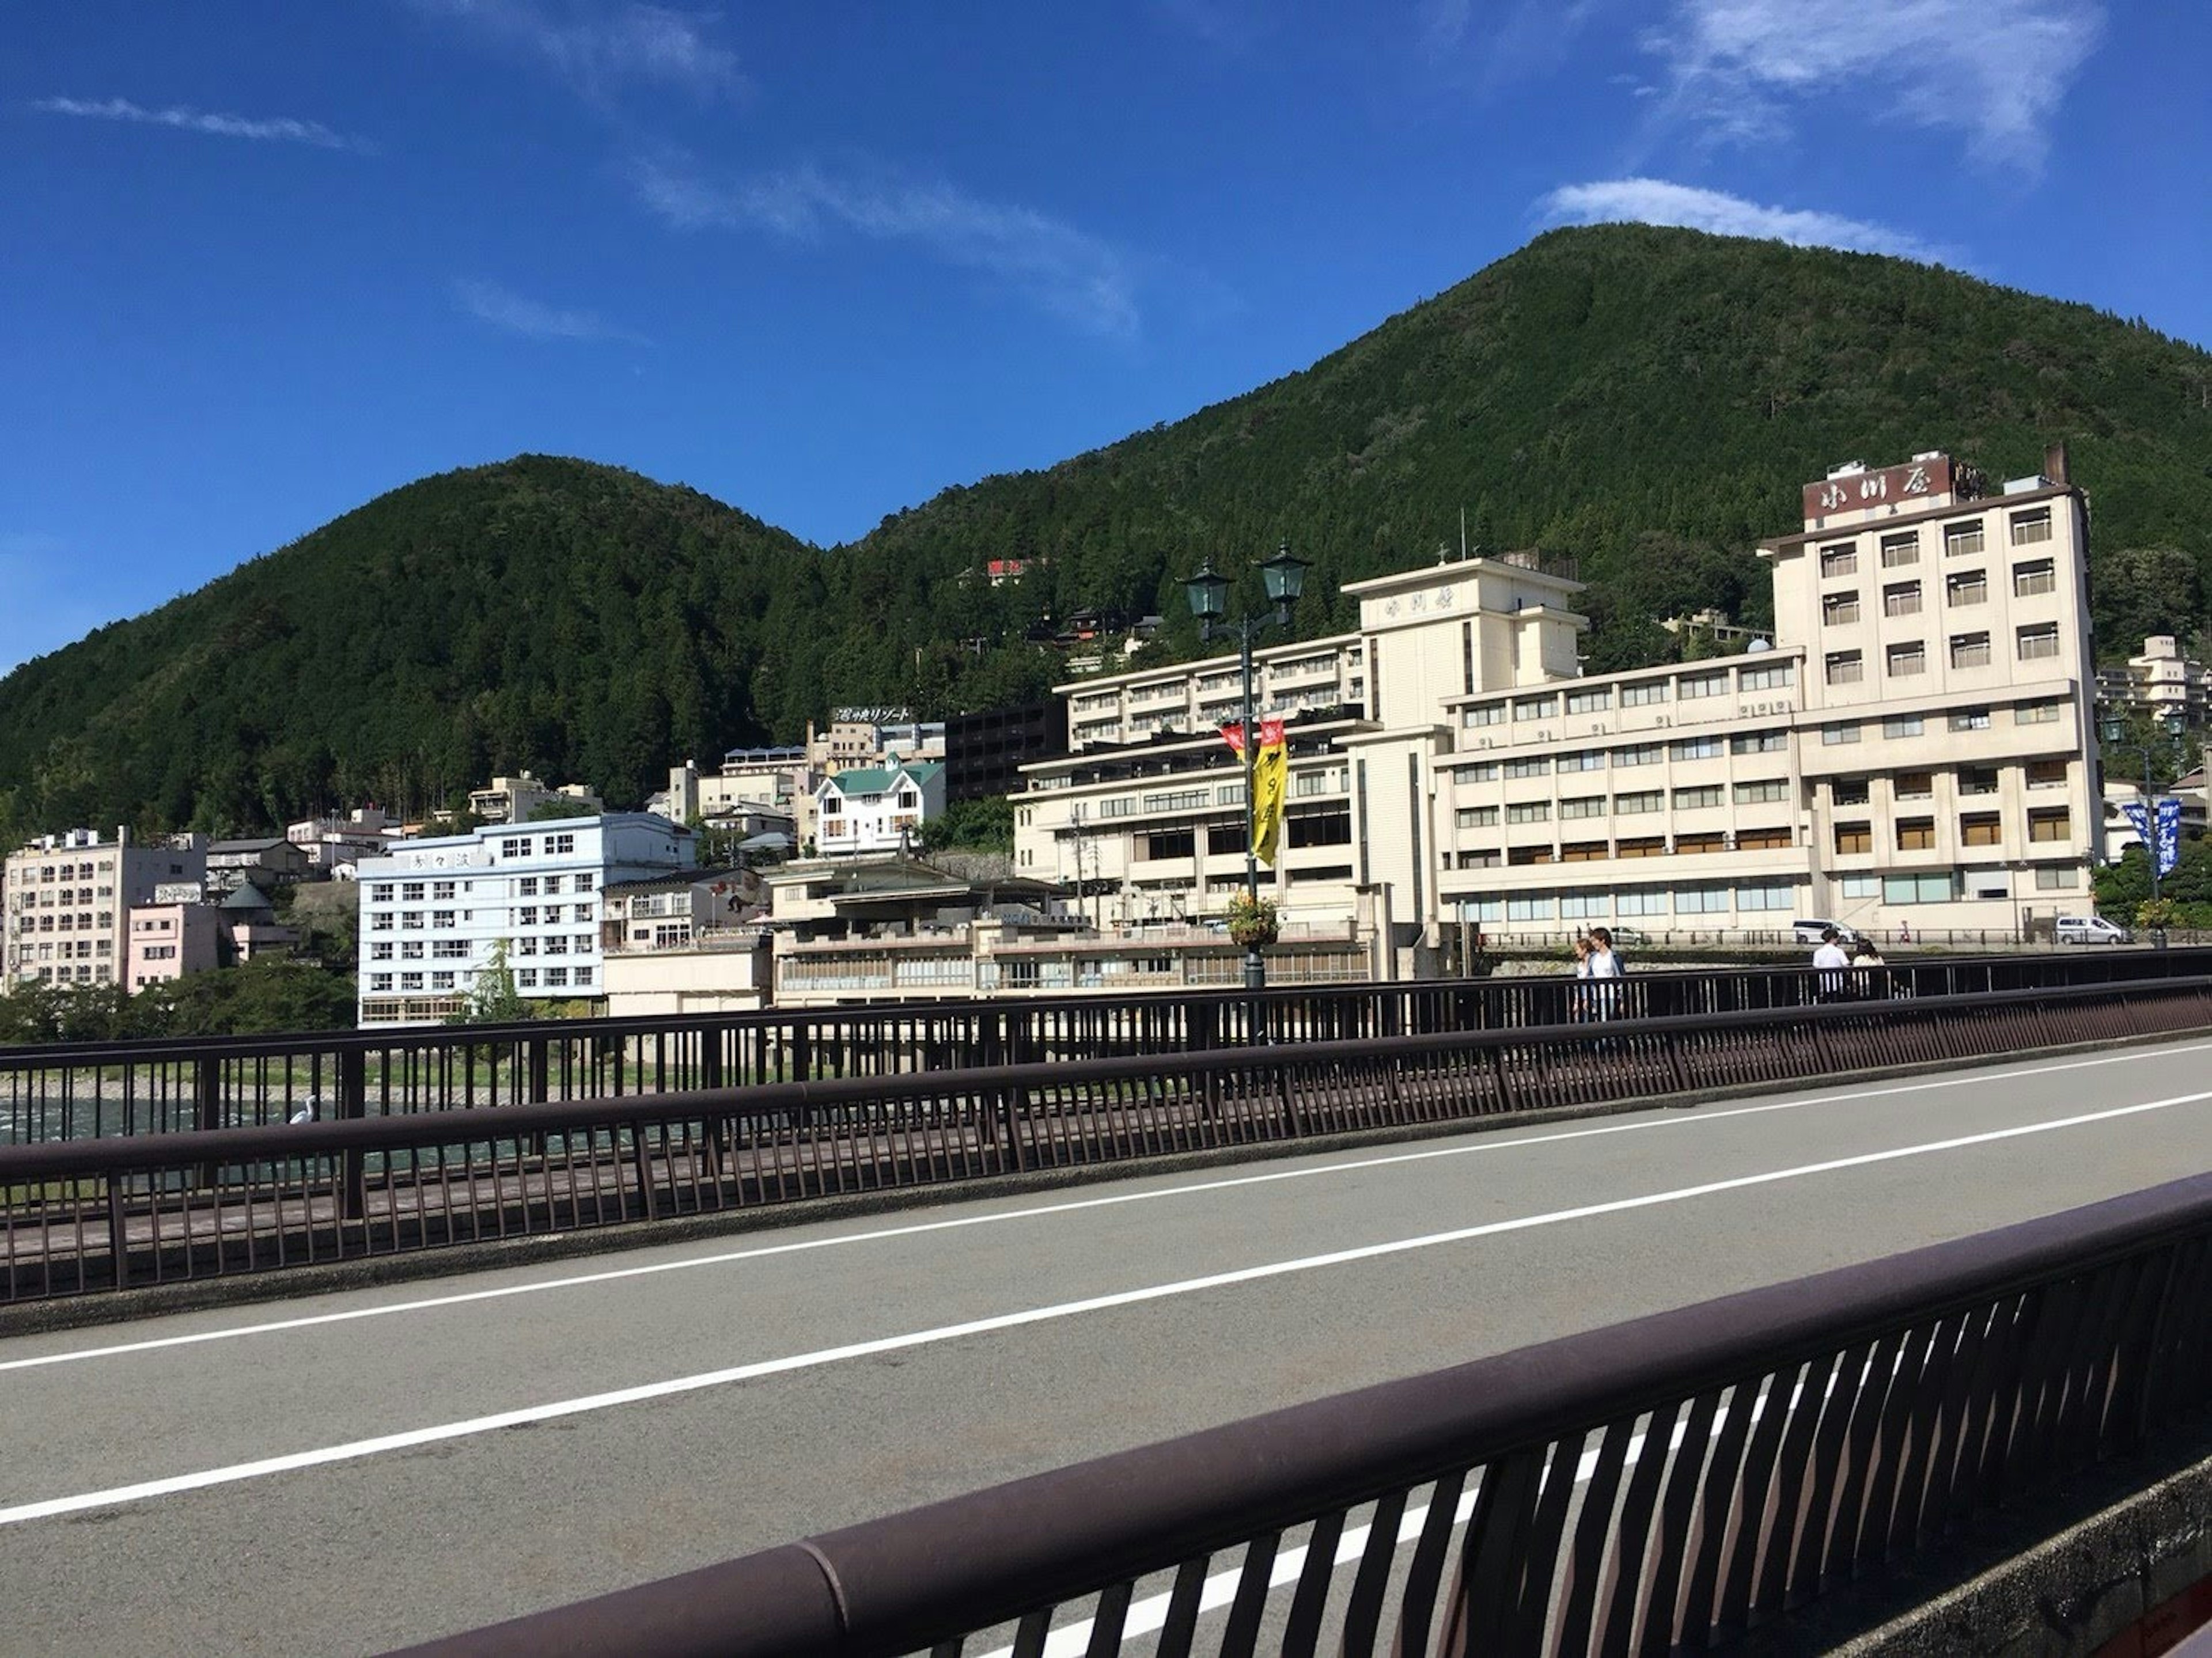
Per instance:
x=2115, y=733
x=1283, y=576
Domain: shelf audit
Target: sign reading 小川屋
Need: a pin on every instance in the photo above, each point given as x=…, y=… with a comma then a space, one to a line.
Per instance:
x=1893, y=486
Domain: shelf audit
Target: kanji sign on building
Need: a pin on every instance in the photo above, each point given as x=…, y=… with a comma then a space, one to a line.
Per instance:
x=1915, y=482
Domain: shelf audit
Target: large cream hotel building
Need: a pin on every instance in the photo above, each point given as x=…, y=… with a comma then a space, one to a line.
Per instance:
x=1912, y=752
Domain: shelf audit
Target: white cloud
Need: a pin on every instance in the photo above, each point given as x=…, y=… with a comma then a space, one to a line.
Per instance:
x=279, y=129
x=1656, y=201
x=596, y=47
x=1994, y=70
x=489, y=302
x=1068, y=271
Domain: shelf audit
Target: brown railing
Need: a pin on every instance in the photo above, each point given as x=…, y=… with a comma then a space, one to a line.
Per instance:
x=1658, y=1486
x=98, y=1090
x=84, y=1216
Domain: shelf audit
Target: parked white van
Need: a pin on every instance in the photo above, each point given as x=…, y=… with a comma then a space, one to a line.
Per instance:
x=1810, y=932
x=2089, y=930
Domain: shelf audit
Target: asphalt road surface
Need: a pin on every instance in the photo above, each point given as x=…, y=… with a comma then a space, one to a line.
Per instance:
x=348, y=1472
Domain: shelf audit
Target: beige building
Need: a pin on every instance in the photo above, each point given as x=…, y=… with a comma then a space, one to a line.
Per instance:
x=1912, y=751
x=512, y=799
x=69, y=896
x=2161, y=682
x=684, y=942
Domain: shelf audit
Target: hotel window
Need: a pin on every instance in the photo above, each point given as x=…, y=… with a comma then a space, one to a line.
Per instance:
x=1839, y=561
x=586, y=882
x=1763, y=788
x=379, y=981
x=2047, y=773
x=556, y=977
x=1901, y=599
x=1483, y=713
x=1906, y=725
x=1967, y=587
x=1486, y=772
x=2047, y=823
x=1900, y=549
x=441, y=982
x=1526, y=855
x=2030, y=527
x=1709, y=684
x=1915, y=834
x=1529, y=811
x=583, y=976
x=379, y=921
x=1700, y=901
x=1835, y=735
x=410, y=917
x=1230, y=837
x=379, y=952
x=1466, y=817
x=410, y=981
x=527, y=979
x=1585, y=906
x=1962, y=537
x=1914, y=786
x=1849, y=791
x=1644, y=801
x=1837, y=610
x=1485, y=859
x=526, y=887
x=1170, y=843
x=1933, y=888
x=1905, y=660
x=1652, y=845
x=2034, y=576
x=1699, y=748
x=411, y=950
x=1762, y=839
x=2039, y=643
x=1642, y=901
x=2037, y=714
x=1767, y=895
x=526, y=916
x=441, y=917
x=1970, y=651
x=1980, y=828
x=1970, y=719
x=1854, y=837
x=1977, y=780
x=2056, y=878
x=1589, y=701
x=441, y=889
x=411, y=891
x=585, y=940
x=552, y=884
x=514, y=848
x=1846, y=667
x=1637, y=696
x=1859, y=886
x=1587, y=760
x=1696, y=799
x=1694, y=844
x=560, y=843
x=1780, y=675
x=1535, y=707
x=1541, y=768
x=1759, y=743
x=558, y=944
x=1583, y=806
x=1528, y=910
x=1642, y=754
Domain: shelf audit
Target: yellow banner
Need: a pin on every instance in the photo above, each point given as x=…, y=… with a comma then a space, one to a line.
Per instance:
x=1271, y=776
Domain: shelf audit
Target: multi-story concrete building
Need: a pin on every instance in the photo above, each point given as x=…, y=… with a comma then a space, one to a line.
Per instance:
x=69, y=898
x=512, y=800
x=2161, y=683
x=1913, y=750
x=432, y=912
x=166, y=941
x=877, y=809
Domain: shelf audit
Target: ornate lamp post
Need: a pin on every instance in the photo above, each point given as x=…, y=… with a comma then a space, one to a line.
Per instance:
x=2115, y=733
x=1208, y=593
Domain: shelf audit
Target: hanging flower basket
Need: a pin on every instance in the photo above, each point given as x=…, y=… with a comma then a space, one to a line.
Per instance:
x=1253, y=923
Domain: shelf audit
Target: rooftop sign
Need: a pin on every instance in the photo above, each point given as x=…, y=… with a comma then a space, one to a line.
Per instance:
x=1916, y=481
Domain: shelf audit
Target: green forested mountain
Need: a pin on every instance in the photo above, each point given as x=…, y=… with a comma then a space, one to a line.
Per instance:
x=1646, y=400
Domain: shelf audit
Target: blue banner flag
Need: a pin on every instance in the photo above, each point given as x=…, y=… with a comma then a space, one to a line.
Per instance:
x=2169, y=835
x=2139, y=815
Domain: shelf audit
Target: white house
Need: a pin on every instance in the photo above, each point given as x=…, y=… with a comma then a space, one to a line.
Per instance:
x=877, y=809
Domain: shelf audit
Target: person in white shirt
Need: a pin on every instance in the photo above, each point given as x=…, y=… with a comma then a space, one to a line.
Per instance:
x=1605, y=974
x=1829, y=962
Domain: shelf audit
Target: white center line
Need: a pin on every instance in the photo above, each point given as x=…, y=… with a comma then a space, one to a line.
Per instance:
x=674, y=1386
x=1493, y=1145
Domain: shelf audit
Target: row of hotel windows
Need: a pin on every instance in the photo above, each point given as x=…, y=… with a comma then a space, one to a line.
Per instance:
x=2036, y=643
x=1965, y=719
x=457, y=949
x=1634, y=754
x=1631, y=804
x=68, y=950
x=524, y=915
x=1328, y=828
x=84, y=976
x=63, y=897
x=1968, y=780
x=1642, y=903
x=81, y=920
x=1902, y=547
x=527, y=978
x=525, y=886
x=74, y=871
x=1976, y=828
x=1599, y=699
x=1649, y=846
x=550, y=845
x=1959, y=587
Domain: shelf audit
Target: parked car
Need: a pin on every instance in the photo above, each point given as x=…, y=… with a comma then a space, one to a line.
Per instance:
x=1810, y=932
x=2089, y=930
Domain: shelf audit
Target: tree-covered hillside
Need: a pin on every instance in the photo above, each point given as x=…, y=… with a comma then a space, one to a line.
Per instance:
x=1646, y=400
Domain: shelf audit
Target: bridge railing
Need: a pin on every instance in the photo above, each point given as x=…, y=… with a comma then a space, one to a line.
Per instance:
x=83, y=1216
x=97, y=1091
x=1657, y=1486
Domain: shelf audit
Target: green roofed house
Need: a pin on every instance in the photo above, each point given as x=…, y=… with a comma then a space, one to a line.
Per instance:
x=876, y=808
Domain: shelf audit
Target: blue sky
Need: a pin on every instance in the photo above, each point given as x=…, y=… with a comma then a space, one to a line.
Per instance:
x=260, y=261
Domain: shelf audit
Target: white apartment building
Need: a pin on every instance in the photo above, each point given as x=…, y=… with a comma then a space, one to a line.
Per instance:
x=68, y=899
x=431, y=912
x=1912, y=751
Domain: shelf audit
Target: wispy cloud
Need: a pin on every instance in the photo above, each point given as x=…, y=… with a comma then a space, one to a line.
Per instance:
x=1656, y=201
x=596, y=47
x=276, y=129
x=1068, y=271
x=502, y=307
x=1994, y=70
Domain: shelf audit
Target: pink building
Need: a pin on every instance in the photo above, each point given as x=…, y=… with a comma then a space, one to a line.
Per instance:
x=166, y=941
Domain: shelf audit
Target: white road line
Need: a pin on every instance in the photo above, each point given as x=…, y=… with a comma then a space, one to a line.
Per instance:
x=678, y=1385
x=1491, y=1143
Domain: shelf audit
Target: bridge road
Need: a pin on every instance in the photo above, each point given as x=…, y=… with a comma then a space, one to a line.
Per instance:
x=345, y=1473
